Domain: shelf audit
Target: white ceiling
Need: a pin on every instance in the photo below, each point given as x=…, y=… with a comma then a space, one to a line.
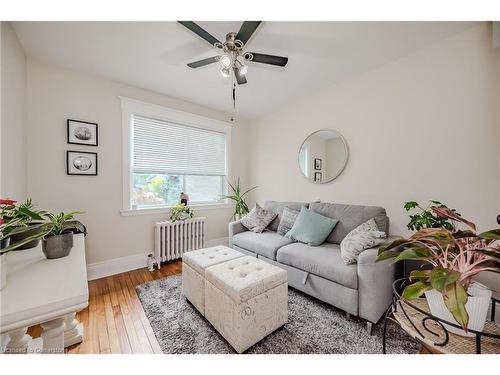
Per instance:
x=153, y=55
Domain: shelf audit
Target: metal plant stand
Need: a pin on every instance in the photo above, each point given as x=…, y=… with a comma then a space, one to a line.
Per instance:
x=415, y=318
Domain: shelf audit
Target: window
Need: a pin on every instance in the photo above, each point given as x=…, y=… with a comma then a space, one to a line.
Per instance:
x=168, y=152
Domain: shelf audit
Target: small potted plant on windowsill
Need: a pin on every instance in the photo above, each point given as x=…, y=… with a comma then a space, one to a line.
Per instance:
x=181, y=212
x=455, y=256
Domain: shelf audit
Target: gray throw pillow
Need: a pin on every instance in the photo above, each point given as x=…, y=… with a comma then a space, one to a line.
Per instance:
x=362, y=237
x=258, y=219
x=287, y=220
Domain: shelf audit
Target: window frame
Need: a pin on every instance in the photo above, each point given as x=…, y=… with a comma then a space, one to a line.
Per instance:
x=131, y=107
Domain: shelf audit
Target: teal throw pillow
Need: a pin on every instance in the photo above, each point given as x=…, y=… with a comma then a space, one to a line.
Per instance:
x=311, y=228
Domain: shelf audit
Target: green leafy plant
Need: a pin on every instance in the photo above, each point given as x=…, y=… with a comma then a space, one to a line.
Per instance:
x=16, y=219
x=425, y=217
x=240, y=208
x=14, y=215
x=55, y=225
x=181, y=212
x=455, y=255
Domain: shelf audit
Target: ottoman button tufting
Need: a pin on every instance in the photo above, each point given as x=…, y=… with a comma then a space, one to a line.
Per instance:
x=243, y=274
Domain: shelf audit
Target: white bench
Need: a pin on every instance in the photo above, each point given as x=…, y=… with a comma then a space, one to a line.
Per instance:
x=194, y=265
x=244, y=298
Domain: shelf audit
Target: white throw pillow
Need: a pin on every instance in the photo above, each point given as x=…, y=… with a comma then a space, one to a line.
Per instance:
x=362, y=237
x=258, y=219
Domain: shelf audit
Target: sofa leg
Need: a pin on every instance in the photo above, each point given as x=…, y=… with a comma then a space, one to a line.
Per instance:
x=369, y=326
x=347, y=315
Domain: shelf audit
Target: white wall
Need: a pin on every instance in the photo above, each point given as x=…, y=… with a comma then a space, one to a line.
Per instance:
x=13, y=118
x=423, y=127
x=55, y=94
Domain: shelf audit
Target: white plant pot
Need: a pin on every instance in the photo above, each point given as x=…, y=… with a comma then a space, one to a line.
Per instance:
x=3, y=271
x=477, y=306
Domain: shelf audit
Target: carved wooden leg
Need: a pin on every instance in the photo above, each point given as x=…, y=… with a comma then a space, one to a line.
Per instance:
x=53, y=336
x=73, y=330
x=18, y=342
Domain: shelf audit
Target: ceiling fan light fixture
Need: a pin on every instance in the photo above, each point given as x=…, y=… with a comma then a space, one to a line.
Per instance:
x=243, y=69
x=225, y=61
x=225, y=72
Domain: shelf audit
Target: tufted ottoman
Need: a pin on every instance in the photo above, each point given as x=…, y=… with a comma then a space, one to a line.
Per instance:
x=194, y=264
x=245, y=300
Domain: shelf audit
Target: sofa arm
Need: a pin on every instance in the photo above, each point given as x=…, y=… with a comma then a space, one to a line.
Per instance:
x=375, y=281
x=235, y=227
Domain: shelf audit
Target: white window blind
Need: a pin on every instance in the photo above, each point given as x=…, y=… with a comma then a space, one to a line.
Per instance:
x=162, y=147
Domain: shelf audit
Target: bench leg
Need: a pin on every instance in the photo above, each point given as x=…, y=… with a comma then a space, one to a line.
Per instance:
x=369, y=326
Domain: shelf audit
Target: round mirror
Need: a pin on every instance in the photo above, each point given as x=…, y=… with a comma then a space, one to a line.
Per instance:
x=323, y=156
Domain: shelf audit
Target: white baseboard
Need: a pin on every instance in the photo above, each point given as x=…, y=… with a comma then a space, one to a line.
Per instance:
x=132, y=262
x=117, y=265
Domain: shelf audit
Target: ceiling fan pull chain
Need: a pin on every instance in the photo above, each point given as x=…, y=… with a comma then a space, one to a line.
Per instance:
x=234, y=96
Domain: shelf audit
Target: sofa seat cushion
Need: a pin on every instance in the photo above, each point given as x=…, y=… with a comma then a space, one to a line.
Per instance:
x=266, y=243
x=324, y=261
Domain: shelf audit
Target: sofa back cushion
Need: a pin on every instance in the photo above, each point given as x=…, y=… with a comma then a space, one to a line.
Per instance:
x=278, y=207
x=350, y=216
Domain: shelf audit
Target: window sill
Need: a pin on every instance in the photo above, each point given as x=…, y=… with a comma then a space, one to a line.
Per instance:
x=166, y=209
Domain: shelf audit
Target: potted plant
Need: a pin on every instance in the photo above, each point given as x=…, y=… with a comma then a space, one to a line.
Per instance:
x=181, y=212
x=21, y=216
x=425, y=217
x=13, y=222
x=56, y=235
x=240, y=208
x=455, y=256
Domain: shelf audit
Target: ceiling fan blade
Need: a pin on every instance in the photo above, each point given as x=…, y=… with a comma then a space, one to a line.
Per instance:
x=200, y=32
x=240, y=78
x=210, y=60
x=247, y=30
x=266, y=59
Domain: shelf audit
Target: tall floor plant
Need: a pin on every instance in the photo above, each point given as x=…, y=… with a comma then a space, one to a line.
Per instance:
x=240, y=207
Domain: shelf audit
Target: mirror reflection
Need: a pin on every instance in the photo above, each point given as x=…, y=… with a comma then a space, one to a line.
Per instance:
x=323, y=156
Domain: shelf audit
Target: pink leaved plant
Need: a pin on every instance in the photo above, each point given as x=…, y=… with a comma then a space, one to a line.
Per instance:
x=455, y=255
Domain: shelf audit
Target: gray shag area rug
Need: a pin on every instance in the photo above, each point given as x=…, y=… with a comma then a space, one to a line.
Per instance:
x=313, y=327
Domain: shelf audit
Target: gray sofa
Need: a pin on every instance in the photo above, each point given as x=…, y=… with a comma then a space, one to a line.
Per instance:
x=363, y=289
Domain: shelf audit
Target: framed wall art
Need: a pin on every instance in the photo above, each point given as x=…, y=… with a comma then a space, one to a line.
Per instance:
x=82, y=132
x=317, y=164
x=81, y=163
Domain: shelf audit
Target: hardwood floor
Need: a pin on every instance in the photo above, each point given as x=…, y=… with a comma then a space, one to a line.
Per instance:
x=114, y=321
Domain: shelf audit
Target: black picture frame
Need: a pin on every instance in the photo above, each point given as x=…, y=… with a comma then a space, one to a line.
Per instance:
x=317, y=164
x=87, y=124
x=318, y=177
x=68, y=169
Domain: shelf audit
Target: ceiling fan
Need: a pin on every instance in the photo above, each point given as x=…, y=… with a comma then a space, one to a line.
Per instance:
x=232, y=53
